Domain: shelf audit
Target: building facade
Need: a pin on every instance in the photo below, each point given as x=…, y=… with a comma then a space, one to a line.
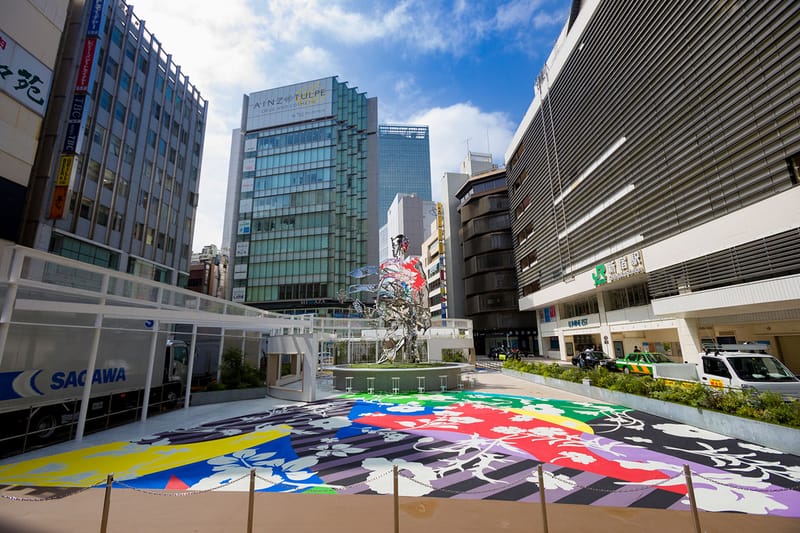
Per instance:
x=30, y=34
x=303, y=216
x=115, y=179
x=208, y=272
x=404, y=164
x=654, y=180
x=408, y=215
x=490, y=277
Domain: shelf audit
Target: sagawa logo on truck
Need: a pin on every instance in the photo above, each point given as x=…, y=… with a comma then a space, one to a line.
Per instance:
x=31, y=383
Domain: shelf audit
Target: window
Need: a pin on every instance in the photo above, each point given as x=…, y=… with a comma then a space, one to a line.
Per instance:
x=125, y=81
x=116, y=36
x=133, y=122
x=148, y=239
x=162, y=147
x=102, y=215
x=99, y=134
x=143, y=198
x=151, y=138
x=119, y=112
x=93, y=170
x=157, y=111
x=109, y=179
x=143, y=63
x=114, y=143
x=793, y=162
x=105, y=100
x=138, y=92
x=86, y=208
x=138, y=231
x=130, y=51
x=116, y=223
x=129, y=154
x=111, y=68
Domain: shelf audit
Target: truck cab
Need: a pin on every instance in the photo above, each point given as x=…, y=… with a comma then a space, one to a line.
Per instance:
x=747, y=370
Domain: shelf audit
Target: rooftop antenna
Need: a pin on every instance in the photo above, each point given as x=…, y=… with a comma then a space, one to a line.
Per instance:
x=488, y=148
x=467, y=141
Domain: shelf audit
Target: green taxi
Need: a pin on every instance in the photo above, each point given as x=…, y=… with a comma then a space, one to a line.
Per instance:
x=641, y=362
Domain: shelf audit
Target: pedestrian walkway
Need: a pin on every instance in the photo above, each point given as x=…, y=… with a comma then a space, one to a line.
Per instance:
x=606, y=468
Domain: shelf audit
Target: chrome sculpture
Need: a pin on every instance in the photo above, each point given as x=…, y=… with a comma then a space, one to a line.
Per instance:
x=399, y=307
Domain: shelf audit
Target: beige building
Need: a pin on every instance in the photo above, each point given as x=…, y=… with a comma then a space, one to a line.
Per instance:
x=30, y=33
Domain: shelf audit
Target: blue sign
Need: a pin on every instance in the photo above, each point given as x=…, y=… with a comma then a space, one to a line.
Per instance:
x=96, y=18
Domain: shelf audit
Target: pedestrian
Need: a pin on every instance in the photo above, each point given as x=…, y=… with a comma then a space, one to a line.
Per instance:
x=636, y=349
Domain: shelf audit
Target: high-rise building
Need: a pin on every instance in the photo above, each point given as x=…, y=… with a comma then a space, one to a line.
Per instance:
x=490, y=277
x=655, y=180
x=115, y=178
x=408, y=215
x=305, y=205
x=404, y=164
x=29, y=40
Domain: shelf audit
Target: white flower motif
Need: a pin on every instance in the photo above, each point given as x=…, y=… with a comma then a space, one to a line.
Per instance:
x=406, y=408
x=552, y=482
x=331, y=447
x=639, y=439
x=577, y=457
x=689, y=432
x=392, y=436
x=509, y=430
x=548, y=432
x=414, y=479
x=333, y=422
x=464, y=420
x=522, y=418
x=757, y=448
x=545, y=409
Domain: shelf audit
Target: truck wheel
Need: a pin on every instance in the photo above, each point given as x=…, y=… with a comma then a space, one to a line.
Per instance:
x=44, y=425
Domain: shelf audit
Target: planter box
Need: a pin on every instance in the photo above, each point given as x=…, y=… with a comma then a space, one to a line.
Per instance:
x=773, y=436
x=232, y=395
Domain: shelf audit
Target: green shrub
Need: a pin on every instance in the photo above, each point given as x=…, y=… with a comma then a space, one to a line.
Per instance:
x=766, y=406
x=237, y=373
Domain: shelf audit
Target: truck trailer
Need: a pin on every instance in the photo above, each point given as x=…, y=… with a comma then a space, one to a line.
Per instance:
x=42, y=386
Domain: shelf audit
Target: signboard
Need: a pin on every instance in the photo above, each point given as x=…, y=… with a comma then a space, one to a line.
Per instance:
x=442, y=261
x=293, y=103
x=95, y=18
x=250, y=145
x=58, y=202
x=23, y=77
x=247, y=185
x=619, y=268
x=246, y=205
x=249, y=164
x=240, y=271
x=244, y=227
x=64, y=172
x=238, y=294
x=242, y=249
x=85, y=67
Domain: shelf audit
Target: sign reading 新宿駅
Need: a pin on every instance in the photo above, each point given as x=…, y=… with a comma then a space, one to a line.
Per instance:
x=619, y=268
x=23, y=77
x=293, y=103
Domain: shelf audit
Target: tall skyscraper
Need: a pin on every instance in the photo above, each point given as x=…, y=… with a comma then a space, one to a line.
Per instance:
x=304, y=211
x=404, y=164
x=115, y=178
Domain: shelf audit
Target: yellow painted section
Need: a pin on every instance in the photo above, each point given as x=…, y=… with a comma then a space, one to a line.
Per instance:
x=556, y=419
x=126, y=460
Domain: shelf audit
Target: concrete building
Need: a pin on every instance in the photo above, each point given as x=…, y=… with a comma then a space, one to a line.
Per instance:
x=654, y=180
x=404, y=164
x=304, y=209
x=208, y=272
x=115, y=178
x=30, y=33
x=490, y=278
x=450, y=259
x=408, y=215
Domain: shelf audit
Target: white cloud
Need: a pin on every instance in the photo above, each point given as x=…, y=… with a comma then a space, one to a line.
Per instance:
x=455, y=127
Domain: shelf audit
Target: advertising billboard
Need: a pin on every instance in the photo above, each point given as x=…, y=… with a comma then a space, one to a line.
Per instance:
x=293, y=103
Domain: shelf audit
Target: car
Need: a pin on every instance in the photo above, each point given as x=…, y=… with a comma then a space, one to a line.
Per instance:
x=641, y=362
x=593, y=359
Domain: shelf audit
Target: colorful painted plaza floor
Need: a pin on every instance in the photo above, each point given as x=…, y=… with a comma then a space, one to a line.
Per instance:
x=470, y=445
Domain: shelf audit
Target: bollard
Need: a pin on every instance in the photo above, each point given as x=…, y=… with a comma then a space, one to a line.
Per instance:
x=252, y=500
x=106, y=503
x=542, y=498
x=396, y=503
x=690, y=491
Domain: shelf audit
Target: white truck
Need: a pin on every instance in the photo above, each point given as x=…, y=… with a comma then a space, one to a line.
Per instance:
x=742, y=367
x=41, y=387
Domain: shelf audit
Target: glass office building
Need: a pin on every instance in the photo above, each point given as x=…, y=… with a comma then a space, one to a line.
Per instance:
x=404, y=164
x=115, y=178
x=300, y=218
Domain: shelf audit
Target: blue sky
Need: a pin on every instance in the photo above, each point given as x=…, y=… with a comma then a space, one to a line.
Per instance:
x=464, y=68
